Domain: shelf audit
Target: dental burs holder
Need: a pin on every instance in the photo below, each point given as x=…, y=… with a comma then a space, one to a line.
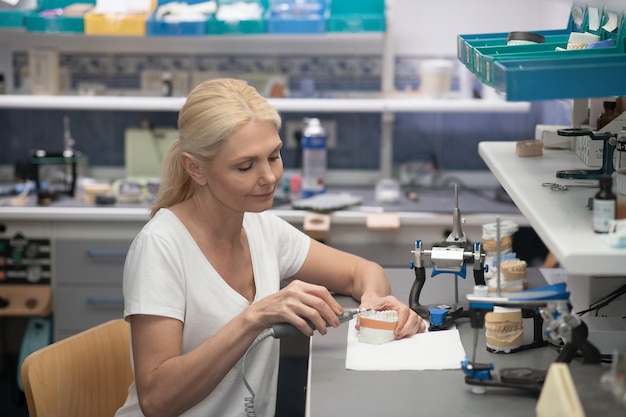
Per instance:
x=608, y=148
x=451, y=256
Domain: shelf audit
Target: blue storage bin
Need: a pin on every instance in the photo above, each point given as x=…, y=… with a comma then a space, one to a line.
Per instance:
x=157, y=27
x=35, y=21
x=356, y=16
x=509, y=67
x=297, y=17
x=218, y=26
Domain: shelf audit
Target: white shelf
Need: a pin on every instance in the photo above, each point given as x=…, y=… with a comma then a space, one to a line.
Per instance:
x=326, y=105
x=561, y=219
x=266, y=44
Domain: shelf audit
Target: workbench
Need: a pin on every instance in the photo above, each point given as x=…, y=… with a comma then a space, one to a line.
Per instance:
x=335, y=391
x=86, y=245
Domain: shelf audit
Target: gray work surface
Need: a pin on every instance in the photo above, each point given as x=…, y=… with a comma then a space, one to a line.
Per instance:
x=335, y=391
x=435, y=200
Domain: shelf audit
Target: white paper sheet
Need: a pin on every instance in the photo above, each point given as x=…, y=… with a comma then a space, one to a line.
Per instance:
x=425, y=351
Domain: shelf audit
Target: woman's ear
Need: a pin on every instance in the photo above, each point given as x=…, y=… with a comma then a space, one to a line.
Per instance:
x=192, y=167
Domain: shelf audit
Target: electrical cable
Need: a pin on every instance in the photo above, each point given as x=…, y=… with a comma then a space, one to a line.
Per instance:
x=603, y=302
x=277, y=331
x=249, y=401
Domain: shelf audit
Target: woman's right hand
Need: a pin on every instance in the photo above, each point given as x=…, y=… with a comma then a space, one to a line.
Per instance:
x=296, y=303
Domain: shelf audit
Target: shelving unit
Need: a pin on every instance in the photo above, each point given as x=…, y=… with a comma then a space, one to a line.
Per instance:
x=334, y=105
x=561, y=219
x=540, y=71
x=363, y=43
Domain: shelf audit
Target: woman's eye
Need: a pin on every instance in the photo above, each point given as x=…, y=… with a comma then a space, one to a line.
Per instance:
x=245, y=168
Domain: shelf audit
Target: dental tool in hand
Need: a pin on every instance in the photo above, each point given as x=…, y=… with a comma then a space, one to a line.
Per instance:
x=288, y=329
x=277, y=331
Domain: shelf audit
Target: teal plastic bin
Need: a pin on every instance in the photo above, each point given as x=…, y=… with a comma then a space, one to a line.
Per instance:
x=600, y=75
x=356, y=16
x=218, y=26
x=12, y=19
x=518, y=70
x=467, y=43
x=43, y=20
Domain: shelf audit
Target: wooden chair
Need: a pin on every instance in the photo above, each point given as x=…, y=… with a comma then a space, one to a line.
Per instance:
x=87, y=374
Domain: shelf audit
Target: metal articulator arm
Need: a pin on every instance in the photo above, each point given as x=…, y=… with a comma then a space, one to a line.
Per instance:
x=420, y=279
x=568, y=327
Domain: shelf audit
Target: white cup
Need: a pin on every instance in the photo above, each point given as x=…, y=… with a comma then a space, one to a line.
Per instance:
x=435, y=77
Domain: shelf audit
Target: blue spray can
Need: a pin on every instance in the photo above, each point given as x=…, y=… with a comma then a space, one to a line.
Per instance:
x=313, y=158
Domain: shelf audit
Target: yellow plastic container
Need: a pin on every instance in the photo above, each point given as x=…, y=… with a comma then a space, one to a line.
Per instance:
x=120, y=25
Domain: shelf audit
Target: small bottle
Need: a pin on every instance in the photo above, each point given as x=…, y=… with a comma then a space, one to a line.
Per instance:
x=607, y=115
x=166, y=84
x=295, y=188
x=620, y=175
x=604, y=205
x=313, y=158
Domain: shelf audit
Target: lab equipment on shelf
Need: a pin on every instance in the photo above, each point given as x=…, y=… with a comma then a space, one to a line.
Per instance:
x=608, y=149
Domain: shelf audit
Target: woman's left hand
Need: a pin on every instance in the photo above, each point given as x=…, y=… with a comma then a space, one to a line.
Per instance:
x=409, y=322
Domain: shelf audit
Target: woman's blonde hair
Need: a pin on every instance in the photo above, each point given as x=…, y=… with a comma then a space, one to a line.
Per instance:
x=214, y=110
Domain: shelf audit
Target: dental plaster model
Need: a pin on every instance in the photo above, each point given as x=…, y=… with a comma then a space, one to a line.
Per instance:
x=377, y=327
x=504, y=329
x=513, y=274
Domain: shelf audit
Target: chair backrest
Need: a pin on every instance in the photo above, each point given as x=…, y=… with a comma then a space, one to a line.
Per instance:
x=87, y=374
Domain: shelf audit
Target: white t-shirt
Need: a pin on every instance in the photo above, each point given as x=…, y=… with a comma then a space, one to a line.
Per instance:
x=166, y=274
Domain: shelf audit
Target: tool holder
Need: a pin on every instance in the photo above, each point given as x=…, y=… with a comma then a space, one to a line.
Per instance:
x=610, y=140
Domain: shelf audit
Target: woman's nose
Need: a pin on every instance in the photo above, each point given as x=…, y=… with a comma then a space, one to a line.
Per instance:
x=268, y=175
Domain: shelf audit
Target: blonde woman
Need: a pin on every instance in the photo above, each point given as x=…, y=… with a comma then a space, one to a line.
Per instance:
x=202, y=278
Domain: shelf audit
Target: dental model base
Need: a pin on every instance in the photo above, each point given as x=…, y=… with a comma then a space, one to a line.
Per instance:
x=525, y=313
x=378, y=327
x=451, y=256
x=562, y=325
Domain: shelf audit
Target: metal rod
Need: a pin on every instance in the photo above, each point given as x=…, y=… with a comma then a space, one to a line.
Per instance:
x=498, y=255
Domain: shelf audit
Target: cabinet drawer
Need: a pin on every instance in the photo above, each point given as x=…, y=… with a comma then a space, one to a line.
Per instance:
x=81, y=308
x=89, y=261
